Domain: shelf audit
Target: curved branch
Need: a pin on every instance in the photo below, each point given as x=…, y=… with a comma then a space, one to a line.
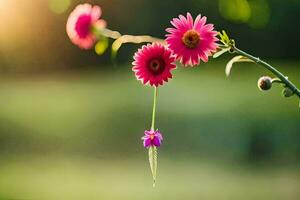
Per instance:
x=277, y=73
x=136, y=39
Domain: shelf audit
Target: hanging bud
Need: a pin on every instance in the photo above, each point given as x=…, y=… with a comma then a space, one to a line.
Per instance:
x=287, y=92
x=264, y=83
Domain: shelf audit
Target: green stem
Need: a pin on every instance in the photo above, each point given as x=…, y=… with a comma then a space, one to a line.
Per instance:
x=277, y=73
x=154, y=108
x=110, y=33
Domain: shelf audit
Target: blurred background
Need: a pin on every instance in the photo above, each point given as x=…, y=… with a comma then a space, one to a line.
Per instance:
x=71, y=120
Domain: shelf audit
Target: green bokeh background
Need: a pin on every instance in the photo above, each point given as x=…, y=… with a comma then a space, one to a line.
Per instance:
x=71, y=121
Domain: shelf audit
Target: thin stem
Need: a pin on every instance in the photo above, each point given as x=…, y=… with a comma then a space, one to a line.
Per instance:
x=111, y=34
x=139, y=39
x=127, y=38
x=277, y=73
x=154, y=108
x=135, y=39
x=276, y=80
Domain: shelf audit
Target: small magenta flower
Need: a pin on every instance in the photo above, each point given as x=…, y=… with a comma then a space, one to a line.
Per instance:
x=153, y=64
x=81, y=23
x=152, y=138
x=192, y=41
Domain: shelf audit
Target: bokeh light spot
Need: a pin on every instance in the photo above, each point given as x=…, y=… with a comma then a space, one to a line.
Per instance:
x=260, y=14
x=235, y=10
x=59, y=6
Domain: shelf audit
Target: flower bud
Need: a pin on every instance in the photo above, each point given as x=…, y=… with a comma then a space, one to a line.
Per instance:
x=264, y=83
x=287, y=92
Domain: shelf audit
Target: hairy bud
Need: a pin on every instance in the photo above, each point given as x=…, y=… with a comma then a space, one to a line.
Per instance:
x=287, y=92
x=264, y=83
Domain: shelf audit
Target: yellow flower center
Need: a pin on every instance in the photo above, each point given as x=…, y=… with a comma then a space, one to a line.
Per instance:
x=151, y=136
x=191, y=39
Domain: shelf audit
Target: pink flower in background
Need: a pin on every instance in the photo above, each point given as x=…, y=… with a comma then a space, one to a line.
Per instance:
x=152, y=138
x=191, y=41
x=153, y=64
x=81, y=22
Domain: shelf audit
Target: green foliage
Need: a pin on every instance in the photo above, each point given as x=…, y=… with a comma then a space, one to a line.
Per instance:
x=235, y=10
x=260, y=14
x=224, y=38
x=83, y=178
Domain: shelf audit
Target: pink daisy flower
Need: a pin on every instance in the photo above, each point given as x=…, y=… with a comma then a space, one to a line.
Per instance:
x=153, y=64
x=152, y=138
x=81, y=23
x=191, y=41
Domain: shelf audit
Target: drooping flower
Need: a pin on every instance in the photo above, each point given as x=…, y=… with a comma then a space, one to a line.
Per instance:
x=152, y=138
x=81, y=23
x=153, y=64
x=191, y=41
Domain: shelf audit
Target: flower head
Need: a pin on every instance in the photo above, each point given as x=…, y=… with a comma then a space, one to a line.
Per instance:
x=191, y=41
x=152, y=138
x=153, y=64
x=81, y=23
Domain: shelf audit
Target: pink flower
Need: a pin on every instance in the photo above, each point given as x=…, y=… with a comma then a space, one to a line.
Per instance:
x=153, y=64
x=152, y=138
x=191, y=41
x=81, y=23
